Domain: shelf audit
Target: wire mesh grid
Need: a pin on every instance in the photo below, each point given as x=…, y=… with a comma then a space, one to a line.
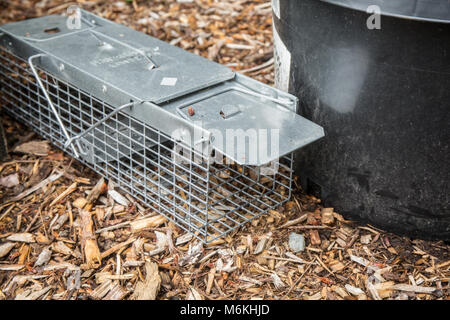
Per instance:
x=203, y=197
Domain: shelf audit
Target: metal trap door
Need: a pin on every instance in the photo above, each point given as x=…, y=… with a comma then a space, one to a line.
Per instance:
x=251, y=123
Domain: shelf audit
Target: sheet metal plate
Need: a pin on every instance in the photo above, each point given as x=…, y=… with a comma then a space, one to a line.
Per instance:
x=262, y=130
x=114, y=63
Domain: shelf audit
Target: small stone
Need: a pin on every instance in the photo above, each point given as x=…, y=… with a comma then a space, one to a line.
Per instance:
x=296, y=242
x=191, y=111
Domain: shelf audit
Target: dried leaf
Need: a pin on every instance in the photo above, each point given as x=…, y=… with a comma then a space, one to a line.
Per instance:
x=353, y=290
x=277, y=281
x=38, y=186
x=60, y=247
x=193, y=294
x=193, y=255
x=10, y=181
x=37, y=148
x=262, y=243
x=118, y=198
x=5, y=248
x=11, y=267
x=21, y=237
x=43, y=257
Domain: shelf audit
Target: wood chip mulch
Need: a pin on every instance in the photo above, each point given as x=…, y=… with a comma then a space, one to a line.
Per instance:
x=56, y=214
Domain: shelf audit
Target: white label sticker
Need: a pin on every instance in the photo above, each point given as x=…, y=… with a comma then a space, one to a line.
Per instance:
x=276, y=7
x=282, y=62
x=168, y=81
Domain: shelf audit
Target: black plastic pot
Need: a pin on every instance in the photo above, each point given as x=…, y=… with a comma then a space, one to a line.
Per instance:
x=383, y=97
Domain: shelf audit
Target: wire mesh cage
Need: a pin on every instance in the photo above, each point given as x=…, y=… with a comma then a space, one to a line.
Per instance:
x=124, y=112
x=202, y=197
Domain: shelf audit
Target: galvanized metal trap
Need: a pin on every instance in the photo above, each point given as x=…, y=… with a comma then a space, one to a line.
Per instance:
x=155, y=119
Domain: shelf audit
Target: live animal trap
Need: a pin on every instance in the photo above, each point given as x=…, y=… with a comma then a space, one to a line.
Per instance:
x=155, y=119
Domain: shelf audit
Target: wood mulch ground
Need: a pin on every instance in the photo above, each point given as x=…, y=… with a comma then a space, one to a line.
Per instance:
x=55, y=213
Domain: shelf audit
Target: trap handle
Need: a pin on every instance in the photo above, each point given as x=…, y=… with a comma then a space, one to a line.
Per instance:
x=70, y=140
x=95, y=125
x=50, y=103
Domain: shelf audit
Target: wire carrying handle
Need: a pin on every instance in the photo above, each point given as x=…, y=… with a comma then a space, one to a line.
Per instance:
x=70, y=140
x=50, y=103
x=95, y=125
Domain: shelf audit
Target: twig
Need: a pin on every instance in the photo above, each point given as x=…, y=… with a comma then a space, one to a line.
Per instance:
x=65, y=193
x=288, y=259
x=7, y=211
x=114, y=227
x=261, y=66
x=40, y=185
x=116, y=247
x=297, y=282
x=310, y=227
x=35, y=217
